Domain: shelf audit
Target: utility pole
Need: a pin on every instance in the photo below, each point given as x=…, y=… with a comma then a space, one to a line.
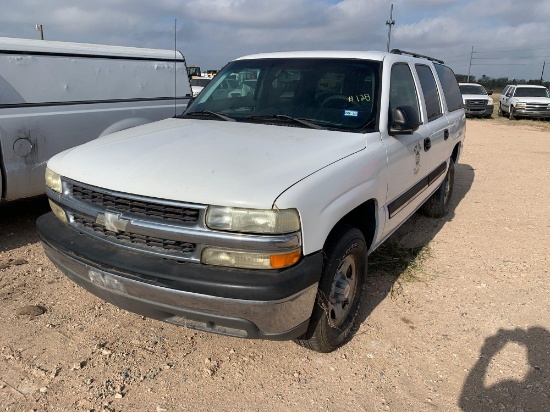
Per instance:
x=40, y=29
x=469, y=68
x=390, y=23
x=542, y=74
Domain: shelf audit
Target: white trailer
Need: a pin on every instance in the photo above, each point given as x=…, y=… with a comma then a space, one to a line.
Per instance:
x=56, y=95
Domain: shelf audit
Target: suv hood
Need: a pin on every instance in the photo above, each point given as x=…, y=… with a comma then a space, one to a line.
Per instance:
x=475, y=97
x=206, y=161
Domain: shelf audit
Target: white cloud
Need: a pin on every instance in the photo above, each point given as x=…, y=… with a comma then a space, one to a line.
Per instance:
x=210, y=32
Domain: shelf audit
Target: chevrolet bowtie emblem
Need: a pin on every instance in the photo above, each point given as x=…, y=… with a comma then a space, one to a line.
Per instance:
x=112, y=222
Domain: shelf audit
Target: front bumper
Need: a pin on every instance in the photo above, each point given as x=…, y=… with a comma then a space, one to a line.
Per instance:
x=273, y=305
x=479, y=111
x=518, y=112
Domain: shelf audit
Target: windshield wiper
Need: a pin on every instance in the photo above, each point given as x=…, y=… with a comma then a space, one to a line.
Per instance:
x=304, y=122
x=210, y=113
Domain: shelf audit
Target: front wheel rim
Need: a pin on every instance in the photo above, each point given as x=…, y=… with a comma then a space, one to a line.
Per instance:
x=342, y=293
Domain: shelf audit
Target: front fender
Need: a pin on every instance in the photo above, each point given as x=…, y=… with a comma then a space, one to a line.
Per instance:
x=329, y=194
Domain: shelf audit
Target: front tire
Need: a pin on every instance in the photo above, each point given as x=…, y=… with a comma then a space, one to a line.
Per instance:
x=438, y=204
x=511, y=113
x=335, y=314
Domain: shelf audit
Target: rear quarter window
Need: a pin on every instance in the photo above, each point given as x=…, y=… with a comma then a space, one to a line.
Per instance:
x=453, y=97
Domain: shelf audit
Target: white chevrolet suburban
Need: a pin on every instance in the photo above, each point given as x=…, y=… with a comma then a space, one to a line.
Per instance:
x=524, y=100
x=253, y=213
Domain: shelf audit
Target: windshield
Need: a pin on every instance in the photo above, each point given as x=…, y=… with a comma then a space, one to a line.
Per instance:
x=332, y=93
x=472, y=89
x=531, y=92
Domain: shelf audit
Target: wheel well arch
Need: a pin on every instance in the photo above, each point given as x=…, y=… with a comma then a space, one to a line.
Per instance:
x=456, y=152
x=364, y=218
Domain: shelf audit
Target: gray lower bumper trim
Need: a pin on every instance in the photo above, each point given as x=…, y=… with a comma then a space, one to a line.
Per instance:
x=285, y=318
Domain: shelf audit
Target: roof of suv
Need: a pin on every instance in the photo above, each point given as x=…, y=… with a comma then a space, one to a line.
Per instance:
x=370, y=55
x=527, y=85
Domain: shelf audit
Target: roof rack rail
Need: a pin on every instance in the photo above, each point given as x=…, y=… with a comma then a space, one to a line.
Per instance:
x=397, y=51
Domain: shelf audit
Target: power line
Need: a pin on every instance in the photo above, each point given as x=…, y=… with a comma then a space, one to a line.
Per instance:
x=509, y=51
x=502, y=64
x=509, y=57
x=458, y=55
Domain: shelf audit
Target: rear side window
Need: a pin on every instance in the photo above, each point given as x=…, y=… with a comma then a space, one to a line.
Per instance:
x=453, y=97
x=429, y=90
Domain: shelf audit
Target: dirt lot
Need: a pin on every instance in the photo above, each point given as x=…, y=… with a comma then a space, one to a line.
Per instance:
x=465, y=327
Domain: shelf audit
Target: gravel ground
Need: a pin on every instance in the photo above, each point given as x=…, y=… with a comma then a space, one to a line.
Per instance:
x=465, y=327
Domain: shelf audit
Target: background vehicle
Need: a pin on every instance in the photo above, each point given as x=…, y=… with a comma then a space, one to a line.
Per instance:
x=476, y=100
x=198, y=83
x=211, y=73
x=524, y=100
x=253, y=213
x=193, y=71
x=56, y=95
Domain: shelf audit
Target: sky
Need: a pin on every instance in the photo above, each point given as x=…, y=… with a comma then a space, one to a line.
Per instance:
x=510, y=38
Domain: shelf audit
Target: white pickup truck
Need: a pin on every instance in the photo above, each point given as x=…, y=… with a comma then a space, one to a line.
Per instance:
x=253, y=213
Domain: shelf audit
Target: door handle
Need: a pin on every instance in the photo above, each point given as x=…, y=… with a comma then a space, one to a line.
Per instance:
x=446, y=134
x=427, y=144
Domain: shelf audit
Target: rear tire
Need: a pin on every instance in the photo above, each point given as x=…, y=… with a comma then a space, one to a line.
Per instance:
x=335, y=314
x=438, y=203
x=500, y=112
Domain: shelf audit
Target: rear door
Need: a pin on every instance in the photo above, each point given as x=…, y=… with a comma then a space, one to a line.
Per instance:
x=437, y=122
x=451, y=99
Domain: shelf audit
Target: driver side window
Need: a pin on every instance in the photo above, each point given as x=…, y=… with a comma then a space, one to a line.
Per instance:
x=402, y=88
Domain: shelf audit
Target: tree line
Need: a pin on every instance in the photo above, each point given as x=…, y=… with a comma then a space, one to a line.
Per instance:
x=497, y=85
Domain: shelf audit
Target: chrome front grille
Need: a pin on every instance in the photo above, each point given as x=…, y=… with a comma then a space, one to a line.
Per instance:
x=537, y=107
x=134, y=238
x=119, y=203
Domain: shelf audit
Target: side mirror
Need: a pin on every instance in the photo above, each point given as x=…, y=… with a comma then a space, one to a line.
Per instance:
x=403, y=120
x=489, y=92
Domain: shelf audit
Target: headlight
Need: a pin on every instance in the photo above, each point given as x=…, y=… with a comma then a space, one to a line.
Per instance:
x=262, y=221
x=521, y=105
x=59, y=212
x=53, y=180
x=249, y=260
x=464, y=102
x=490, y=102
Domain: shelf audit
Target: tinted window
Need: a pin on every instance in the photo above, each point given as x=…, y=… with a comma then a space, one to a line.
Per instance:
x=531, y=92
x=472, y=89
x=402, y=88
x=448, y=81
x=430, y=92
